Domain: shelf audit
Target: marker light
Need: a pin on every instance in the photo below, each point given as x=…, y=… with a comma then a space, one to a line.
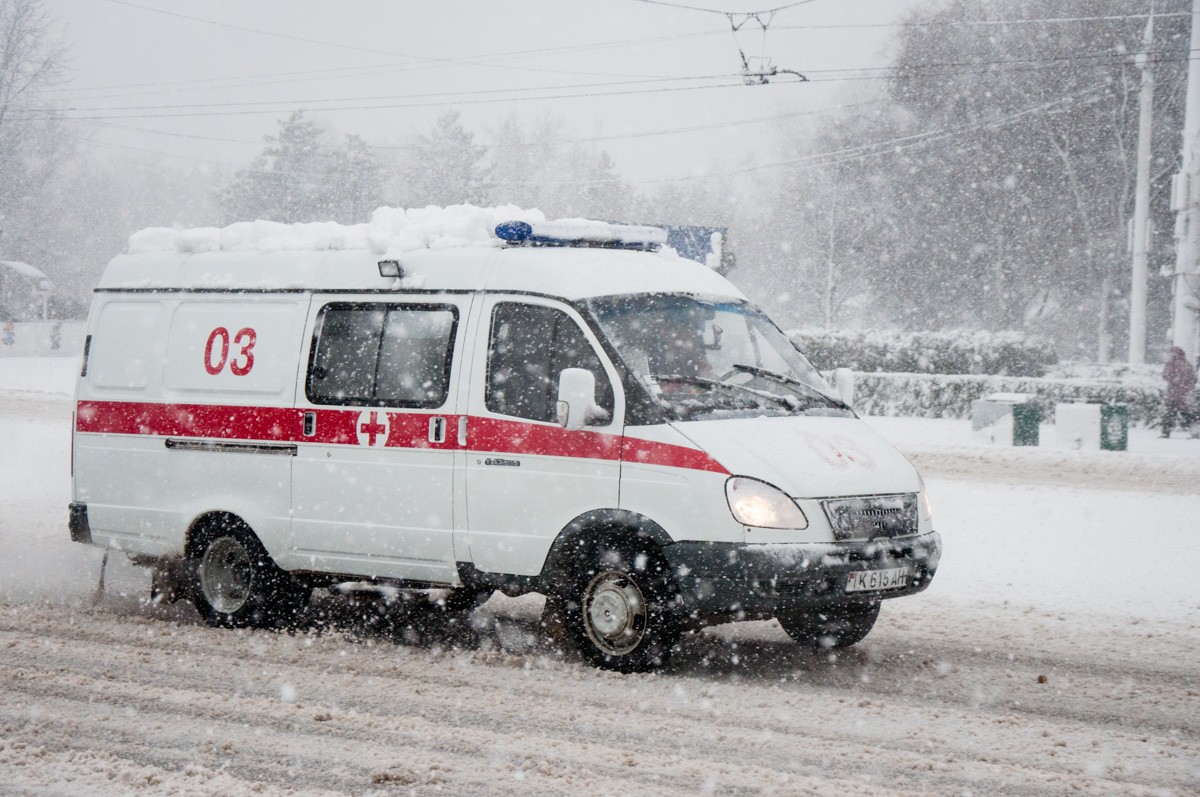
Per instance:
x=390, y=268
x=581, y=232
x=755, y=503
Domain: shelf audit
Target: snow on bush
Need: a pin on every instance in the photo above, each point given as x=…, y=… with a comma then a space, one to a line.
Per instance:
x=939, y=374
x=950, y=395
x=956, y=352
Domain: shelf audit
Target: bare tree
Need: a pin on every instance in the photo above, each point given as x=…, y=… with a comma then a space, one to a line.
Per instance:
x=33, y=141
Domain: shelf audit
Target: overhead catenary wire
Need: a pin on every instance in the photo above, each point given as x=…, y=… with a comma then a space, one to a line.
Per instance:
x=719, y=12
x=847, y=154
x=428, y=59
x=741, y=122
x=359, y=71
x=981, y=22
x=192, y=110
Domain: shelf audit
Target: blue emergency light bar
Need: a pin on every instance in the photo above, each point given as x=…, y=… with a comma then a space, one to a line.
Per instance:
x=581, y=233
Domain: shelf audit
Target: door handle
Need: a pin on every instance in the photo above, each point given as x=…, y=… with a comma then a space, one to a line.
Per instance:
x=437, y=430
x=310, y=424
x=462, y=430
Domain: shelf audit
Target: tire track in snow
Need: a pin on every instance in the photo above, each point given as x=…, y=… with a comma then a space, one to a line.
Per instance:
x=372, y=714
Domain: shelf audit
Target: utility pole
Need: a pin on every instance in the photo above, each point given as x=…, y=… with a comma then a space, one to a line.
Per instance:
x=1185, y=199
x=830, y=266
x=1141, y=202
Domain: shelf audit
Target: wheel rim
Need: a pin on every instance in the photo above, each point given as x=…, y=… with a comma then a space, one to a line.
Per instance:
x=226, y=575
x=614, y=613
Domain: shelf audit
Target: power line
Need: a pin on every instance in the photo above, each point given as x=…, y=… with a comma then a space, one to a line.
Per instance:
x=848, y=154
x=982, y=22
x=697, y=128
x=212, y=83
x=431, y=60
x=420, y=95
x=186, y=110
x=724, y=13
x=106, y=113
x=565, y=142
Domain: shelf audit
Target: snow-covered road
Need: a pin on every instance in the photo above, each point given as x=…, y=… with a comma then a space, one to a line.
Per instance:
x=1057, y=652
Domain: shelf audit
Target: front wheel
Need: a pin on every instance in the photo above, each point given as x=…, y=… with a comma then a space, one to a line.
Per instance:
x=238, y=584
x=830, y=627
x=618, y=609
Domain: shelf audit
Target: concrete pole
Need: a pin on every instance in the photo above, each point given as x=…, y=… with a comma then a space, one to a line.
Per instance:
x=1187, y=224
x=1141, y=203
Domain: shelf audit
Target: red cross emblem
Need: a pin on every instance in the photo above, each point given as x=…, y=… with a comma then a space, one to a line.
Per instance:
x=372, y=429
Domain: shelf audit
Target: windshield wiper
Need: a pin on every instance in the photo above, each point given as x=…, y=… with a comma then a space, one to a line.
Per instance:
x=786, y=401
x=788, y=380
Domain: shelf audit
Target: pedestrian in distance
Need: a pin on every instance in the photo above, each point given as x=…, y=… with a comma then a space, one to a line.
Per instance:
x=1181, y=381
x=10, y=333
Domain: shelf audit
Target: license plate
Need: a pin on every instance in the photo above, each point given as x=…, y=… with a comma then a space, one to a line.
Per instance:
x=869, y=580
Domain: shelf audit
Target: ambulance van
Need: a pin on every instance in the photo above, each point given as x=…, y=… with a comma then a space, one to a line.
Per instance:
x=556, y=407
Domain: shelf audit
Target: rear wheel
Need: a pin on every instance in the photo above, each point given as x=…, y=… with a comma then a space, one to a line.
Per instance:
x=238, y=584
x=618, y=609
x=830, y=627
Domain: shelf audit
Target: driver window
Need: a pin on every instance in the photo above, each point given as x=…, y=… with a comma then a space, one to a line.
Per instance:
x=528, y=348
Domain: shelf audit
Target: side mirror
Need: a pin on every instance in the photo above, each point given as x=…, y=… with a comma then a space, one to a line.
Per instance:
x=577, y=399
x=843, y=382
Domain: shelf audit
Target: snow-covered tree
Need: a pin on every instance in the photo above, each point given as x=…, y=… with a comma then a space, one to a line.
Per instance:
x=445, y=167
x=299, y=177
x=286, y=182
x=1016, y=190
x=355, y=183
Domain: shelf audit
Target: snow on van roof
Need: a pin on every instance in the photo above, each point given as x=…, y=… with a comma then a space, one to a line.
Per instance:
x=390, y=232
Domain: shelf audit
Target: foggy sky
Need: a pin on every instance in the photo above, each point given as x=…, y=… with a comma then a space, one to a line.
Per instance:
x=203, y=82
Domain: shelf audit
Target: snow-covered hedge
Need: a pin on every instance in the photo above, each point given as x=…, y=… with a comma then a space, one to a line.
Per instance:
x=1009, y=353
x=950, y=396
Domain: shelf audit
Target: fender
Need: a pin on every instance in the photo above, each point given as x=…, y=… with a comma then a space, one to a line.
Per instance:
x=601, y=522
x=573, y=539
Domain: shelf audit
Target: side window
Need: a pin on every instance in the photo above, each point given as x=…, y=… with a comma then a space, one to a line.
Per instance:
x=528, y=348
x=123, y=350
x=377, y=354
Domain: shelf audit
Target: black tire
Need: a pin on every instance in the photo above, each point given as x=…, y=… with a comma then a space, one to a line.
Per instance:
x=237, y=584
x=830, y=627
x=618, y=608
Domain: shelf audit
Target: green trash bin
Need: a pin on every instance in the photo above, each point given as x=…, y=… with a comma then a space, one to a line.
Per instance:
x=1114, y=427
x=1026, y=418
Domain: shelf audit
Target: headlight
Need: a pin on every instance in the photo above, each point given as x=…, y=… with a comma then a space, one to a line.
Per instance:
x=923, y=500
x=755, y=503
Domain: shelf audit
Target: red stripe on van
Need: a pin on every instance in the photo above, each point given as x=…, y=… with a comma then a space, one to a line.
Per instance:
x=516, y=437
x=405, y=430
x=648, y=452
x=188, y=420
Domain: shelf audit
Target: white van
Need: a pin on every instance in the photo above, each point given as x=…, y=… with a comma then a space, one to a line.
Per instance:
x=553, y=407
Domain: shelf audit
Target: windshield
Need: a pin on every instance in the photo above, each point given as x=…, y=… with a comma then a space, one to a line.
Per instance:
x=708, y=358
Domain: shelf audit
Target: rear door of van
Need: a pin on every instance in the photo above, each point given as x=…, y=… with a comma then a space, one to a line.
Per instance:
x=373, y=480
x=185, y=407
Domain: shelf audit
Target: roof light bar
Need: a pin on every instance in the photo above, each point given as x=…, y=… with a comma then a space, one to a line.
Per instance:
x=581, y=233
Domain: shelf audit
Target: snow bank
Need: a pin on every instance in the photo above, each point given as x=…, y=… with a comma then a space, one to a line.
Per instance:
x=390, y=232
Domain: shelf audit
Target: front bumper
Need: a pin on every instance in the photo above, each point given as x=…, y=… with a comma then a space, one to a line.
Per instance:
x=748, y=581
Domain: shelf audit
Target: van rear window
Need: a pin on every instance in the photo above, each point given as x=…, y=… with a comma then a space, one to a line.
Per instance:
x=382, y=355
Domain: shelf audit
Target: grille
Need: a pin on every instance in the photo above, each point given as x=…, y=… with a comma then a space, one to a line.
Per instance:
x=871, y=516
